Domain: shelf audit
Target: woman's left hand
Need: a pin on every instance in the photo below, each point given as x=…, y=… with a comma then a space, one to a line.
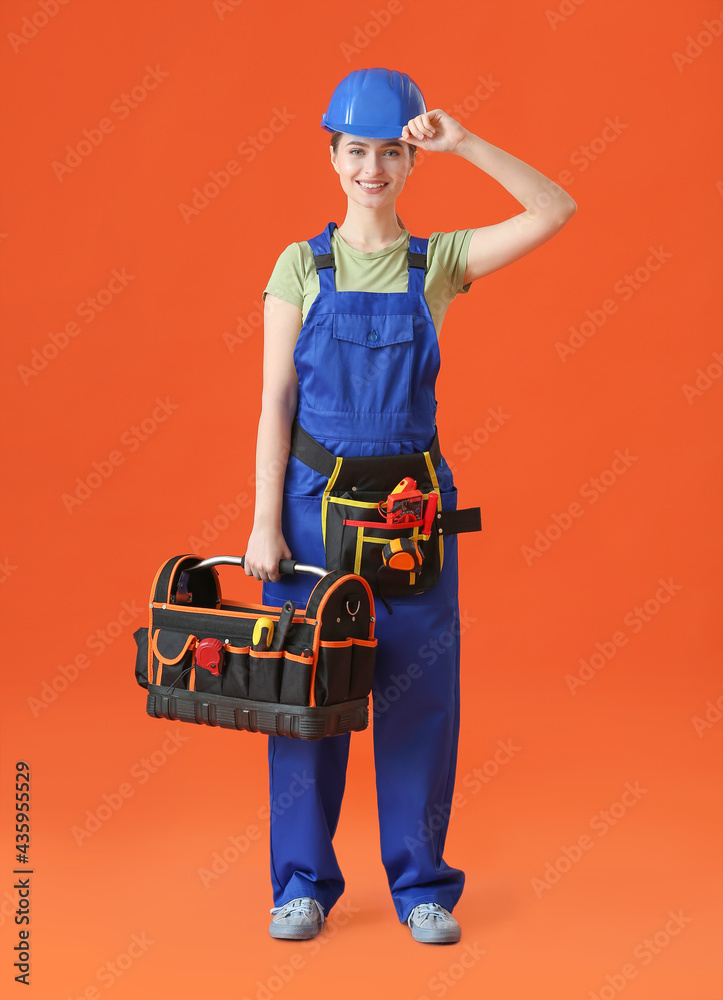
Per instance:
x=434, y=130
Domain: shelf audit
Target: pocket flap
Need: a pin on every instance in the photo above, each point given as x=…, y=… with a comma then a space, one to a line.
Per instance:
x=169, y=646
x=373, y=331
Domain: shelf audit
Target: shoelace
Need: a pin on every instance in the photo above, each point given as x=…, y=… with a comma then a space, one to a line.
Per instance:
x=425, y=911
x=302, y=904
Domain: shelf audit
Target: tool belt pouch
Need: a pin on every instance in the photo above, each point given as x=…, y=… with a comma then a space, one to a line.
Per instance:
x=196, y=662
x=355, y=532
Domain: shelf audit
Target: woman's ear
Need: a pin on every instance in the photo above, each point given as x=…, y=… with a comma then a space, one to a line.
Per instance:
x=333, y=158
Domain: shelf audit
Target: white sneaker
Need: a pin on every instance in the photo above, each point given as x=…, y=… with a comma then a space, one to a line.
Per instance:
x=432, y=924
x=298, y=919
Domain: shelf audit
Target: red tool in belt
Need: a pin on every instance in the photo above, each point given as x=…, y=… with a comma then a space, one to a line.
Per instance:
x=403, y=506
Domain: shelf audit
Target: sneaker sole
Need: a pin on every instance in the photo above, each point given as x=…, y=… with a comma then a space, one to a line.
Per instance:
x=293, y=933
x=432, y=937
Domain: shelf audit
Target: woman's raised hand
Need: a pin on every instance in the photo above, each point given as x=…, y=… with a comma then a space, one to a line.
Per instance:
x=434, y=130
x=264, y=550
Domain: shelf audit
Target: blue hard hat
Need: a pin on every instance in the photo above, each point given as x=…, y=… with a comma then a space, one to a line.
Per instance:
x=376, y=103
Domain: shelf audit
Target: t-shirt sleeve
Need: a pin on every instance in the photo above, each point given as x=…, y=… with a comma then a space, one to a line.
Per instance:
x=287, y=277
x=450, y=251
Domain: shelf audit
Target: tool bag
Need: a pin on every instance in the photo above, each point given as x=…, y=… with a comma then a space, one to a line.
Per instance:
x=354, y=531
x=196, y=657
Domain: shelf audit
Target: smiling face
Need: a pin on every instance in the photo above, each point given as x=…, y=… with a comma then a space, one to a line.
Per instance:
x=372, y=171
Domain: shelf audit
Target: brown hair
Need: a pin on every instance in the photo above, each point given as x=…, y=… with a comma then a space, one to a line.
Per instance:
x=335, y=138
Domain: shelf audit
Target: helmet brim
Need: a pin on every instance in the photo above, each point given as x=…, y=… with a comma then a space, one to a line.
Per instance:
x=367, y=131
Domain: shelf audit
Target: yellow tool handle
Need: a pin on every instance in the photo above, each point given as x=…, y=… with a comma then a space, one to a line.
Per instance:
x=263, y=634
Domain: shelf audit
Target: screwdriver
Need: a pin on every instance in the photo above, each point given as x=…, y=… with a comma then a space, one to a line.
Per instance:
x=263, y=634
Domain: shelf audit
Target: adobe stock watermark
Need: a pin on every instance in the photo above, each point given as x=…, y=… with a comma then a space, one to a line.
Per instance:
x=266, y=814
x=696, y=45
x=31, y=25
x=121, y=107
x=635, y=620
x=705, y=378
x=249, y=149
x=601, y=824
x=131, y=440
x=644, y=953
x=443, y=981
x=624, y=288
x=581, y=159
x=6, y=569
x=88, y=309
x=115, y=968
x=591, y=491
x=462, y=109
x=112, y=802
x=245, y=327
x=282, y=973
x=562, y=12
x=9, y=905
x=97, y=642
x=712, y=714
x=223, y=8
x=212, y=529
x=364, y=34
x=470, y=444
x=474, y=780
x=429, y=651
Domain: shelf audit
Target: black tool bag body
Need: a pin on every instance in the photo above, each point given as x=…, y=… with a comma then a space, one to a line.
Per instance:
x=316, y=685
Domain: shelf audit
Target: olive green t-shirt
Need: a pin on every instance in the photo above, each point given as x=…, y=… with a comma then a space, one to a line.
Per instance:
x=295, y=280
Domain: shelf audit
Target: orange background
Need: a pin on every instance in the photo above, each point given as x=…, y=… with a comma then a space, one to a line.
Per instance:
x=656, y=184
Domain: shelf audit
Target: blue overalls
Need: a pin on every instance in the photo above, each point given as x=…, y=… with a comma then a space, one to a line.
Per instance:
x=367, y=364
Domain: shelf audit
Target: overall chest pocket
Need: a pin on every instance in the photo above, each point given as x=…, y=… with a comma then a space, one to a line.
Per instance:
x=364, y=363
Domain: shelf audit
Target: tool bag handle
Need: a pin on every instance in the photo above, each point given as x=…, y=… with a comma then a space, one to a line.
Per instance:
x=187, y=573
x=285, y=565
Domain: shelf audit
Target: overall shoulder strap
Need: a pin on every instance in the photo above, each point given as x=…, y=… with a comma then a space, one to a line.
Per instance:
x=417, y=263
x=323, y=258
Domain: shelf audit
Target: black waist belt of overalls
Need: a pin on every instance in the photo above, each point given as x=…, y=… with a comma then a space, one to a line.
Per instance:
x=375, y=472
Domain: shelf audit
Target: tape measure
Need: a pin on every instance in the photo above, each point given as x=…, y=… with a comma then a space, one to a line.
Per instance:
x=403, y=554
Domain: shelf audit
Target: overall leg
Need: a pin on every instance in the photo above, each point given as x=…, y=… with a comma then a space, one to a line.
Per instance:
x=306, y=786
x=416, y=729
x=306, y=777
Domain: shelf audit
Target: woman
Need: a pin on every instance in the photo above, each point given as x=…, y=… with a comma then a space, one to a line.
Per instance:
x=351, y=322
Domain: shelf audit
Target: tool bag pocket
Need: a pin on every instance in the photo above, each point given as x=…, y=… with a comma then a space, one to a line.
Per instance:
x=344, y=670
x=260, y=675
x=355, y=536
x=171, y=658
x=236, y=671
x=141, y=638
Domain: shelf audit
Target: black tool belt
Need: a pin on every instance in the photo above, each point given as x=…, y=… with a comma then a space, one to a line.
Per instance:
x=356, y=533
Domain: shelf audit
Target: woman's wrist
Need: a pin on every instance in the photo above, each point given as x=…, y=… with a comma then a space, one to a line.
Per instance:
x=463, y=146
x=267, y=522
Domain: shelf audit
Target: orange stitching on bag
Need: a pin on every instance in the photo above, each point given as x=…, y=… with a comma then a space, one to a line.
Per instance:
x=297, y=658
x=151, y=678
x=164, y=659
x=253, y=611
